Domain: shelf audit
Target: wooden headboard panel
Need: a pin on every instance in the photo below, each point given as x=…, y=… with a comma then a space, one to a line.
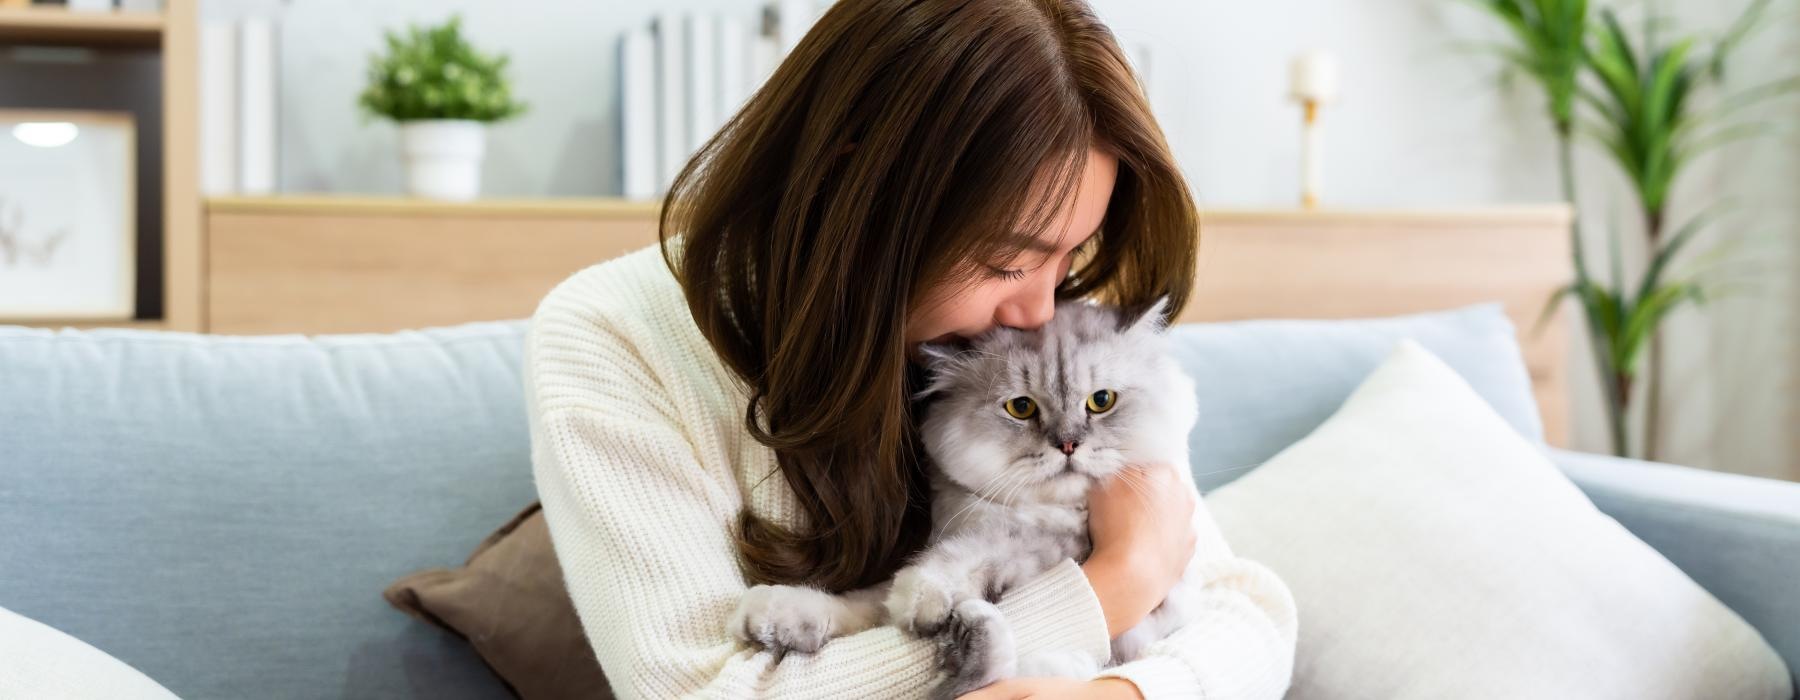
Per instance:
x=1348, y=264
x=338, y=264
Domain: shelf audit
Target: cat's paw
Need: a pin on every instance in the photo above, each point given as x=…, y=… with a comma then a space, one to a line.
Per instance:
x=975, y=647
x=920, y=602
x=783, y=619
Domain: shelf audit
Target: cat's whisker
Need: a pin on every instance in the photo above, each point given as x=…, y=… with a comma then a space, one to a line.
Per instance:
x=979, y=497
x=1006, y=493
x=1018, y=486
x=987, y=495
x=981, y=493
x=952, y=519
x=987, y=487
x=1135, y=482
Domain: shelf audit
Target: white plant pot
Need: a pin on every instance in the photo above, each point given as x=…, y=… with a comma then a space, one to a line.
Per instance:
x=443, y=157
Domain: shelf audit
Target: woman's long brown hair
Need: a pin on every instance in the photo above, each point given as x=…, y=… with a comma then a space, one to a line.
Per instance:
x=900, y=146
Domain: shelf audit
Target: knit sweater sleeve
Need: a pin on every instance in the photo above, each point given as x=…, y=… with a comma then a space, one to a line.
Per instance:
x=639, y=506
x=1240, y=642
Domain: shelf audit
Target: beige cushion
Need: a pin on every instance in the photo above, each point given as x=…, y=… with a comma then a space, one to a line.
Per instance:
x=39, y=661
x=1435, y=553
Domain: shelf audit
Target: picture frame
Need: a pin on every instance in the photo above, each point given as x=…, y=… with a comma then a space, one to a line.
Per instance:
x=68, y=213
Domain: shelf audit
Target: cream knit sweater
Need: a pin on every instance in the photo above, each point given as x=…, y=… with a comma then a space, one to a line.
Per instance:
x=642, y=462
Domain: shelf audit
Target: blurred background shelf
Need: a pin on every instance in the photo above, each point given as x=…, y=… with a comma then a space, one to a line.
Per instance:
x=357, y=263
x=165, y=103
x=381, y=205
x=58, y=26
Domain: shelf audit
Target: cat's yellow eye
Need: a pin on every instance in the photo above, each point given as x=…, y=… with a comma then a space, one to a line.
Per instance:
x=1102, y=401
x=1021, y=408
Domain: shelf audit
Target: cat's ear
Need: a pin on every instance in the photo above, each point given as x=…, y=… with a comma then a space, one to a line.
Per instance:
x=936, y=354
x=933, y=386
x=936, y=358
x=1150, y=320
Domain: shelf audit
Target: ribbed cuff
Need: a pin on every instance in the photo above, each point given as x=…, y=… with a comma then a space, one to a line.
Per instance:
x=1158, y=677
x=1228, y=649
x=1057, y=610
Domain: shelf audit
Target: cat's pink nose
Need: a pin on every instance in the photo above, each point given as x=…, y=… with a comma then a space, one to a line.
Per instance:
x=1068, y=446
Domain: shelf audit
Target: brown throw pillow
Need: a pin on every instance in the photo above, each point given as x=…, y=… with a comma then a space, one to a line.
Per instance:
x=509, y=602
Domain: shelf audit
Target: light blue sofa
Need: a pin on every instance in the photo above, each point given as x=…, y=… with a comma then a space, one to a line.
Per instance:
x=222, y=513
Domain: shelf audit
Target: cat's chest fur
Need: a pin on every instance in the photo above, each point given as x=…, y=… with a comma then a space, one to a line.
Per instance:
x=1046, y=531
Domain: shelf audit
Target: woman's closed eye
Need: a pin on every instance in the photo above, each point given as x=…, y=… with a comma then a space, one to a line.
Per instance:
x=1015, y=274
x=1010, y=275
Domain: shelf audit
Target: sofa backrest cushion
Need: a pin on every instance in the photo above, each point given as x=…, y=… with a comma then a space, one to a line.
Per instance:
x=1264, y=384
x=223, y=512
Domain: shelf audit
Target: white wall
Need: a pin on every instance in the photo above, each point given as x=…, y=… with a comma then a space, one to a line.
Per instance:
x=563, y=63
x=1421, y=123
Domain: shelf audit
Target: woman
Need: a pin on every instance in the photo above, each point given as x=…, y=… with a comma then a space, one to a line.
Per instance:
x=730, y=408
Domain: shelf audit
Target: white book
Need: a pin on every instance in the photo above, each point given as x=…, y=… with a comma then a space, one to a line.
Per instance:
x=702, y=78
x=671, y=98
x=218, y=106
x=733, y=67
x=256, y=106
x=637, y=114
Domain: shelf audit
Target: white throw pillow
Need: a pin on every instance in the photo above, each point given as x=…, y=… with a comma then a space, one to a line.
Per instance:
x=38, y=661
x=1434, y=553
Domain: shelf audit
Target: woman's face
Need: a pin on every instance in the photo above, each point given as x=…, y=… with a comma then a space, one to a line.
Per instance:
x=1024, y=295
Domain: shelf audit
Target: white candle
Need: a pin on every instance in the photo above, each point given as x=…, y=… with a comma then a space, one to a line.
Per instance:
x=1312, y=80
x=1313, y=77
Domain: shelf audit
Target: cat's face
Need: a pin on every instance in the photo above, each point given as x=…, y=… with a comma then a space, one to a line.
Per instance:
x=1042, y=415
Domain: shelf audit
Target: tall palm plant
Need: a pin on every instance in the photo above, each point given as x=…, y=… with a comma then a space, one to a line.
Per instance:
x=1641, y=97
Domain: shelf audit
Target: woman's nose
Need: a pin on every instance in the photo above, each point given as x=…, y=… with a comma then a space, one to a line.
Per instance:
x=1028, y=309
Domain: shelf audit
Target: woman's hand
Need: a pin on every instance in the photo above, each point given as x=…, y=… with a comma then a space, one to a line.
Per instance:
x=1046, y=688
x=1141, y=522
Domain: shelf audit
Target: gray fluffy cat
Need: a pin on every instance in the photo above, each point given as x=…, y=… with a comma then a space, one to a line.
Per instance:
x=1021, y=425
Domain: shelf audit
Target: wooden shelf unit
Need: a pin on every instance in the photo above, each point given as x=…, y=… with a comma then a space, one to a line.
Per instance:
x=59, y=26
x=175, y=33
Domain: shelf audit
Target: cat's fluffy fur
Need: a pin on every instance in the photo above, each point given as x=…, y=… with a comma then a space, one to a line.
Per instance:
x=1010, y=495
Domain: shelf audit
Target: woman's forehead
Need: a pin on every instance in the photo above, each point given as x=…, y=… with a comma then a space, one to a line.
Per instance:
x=1080, y=214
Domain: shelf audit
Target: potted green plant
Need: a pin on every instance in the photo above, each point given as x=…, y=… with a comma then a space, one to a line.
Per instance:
x=442, y=93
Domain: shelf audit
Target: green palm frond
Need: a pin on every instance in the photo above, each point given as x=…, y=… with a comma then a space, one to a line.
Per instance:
x=1549, y=310
x=1726, y=135
x=1747, y=23
x=1646, y=315
x=1666, y=252
x=1549, y=37
x=1623, y=327
x=1641, y=101
x=1747, y=98
x=1642, y=104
